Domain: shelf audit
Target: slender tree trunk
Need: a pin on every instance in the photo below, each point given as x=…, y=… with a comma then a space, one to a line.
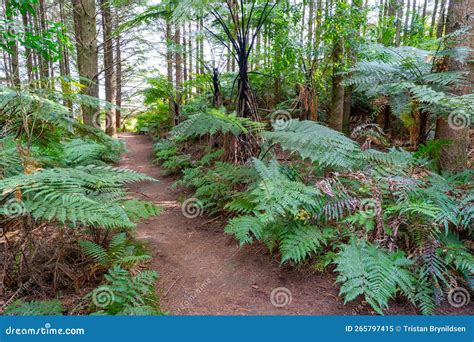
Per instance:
x=185, y=55
x=433, y=18
x=87, y=56
x=413, y=15
x=179, y=72
x=28, y=54
x=399, y=22
x=310, y=22
x=118, y=76
x=109, y=70
x=423, y=14
x=337, y=100
x=44, y=65
x=169, y=65
x=407, y=18
x=442, y=19
x=14, y=59
x=190, y=50
x=456, y=127
x=64, y=68
x=380, y=21
x=201, y=46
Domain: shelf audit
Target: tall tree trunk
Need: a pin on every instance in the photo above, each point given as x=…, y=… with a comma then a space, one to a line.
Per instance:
x=456, y=127
x=28, y=54
x=169, y=66
x=87, y=56
x=337, y=100
x=44, y=65
x=407, y=18
x=380, y=23
x=109, y=70
x=185, y=55
x=201, y=46
x=433, y=18
x=179, y=72
x=190, y=50
x=441, y=20
x=399, y=22
x=423, y=14
x=14, y=59
x=64, y=68
x=413, y=15
x=310, y=22
x=118, y=76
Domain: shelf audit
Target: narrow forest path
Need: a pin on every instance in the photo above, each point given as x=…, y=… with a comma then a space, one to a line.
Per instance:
x=204, y=271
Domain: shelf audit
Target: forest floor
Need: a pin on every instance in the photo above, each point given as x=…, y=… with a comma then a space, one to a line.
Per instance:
x=203, y=271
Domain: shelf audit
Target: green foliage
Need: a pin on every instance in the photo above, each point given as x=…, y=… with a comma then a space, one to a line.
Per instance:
x=365, y=269
x=120, y=252
x=216, y=185
x=281, y=210
x=34, y=308
x=90, y=195
x=211, y=122
x=126, y=294
x=321, y=145
x=408, y=76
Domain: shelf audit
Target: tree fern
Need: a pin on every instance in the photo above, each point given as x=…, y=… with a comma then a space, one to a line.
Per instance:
x=319, y=144
x=89, y=195
x=211, y=122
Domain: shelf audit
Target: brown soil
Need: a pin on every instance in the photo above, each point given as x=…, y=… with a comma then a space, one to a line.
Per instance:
x=204, y=271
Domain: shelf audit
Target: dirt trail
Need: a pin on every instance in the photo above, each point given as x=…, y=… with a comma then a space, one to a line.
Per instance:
x=204, y=272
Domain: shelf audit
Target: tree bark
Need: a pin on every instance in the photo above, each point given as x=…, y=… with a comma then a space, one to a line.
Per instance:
x=441, y=19
x=169, y=66
x=310, y=22
x=14, y=59
x=337, y=100
x=455, y=128
x=109, y=70
x=64, y=68
x=28, y=52
x=399, y=22
x=433, y=18
x=87, y=56
x=407, y=17
x=118, y=76
x=179, y=72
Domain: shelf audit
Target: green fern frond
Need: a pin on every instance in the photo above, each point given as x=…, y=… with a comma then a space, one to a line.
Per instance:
x=301, y=240
x=321, y=145
x=34, y=308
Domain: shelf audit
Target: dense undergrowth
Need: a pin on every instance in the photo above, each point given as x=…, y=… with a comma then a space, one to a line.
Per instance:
x=66, y=216
x=384, y=219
